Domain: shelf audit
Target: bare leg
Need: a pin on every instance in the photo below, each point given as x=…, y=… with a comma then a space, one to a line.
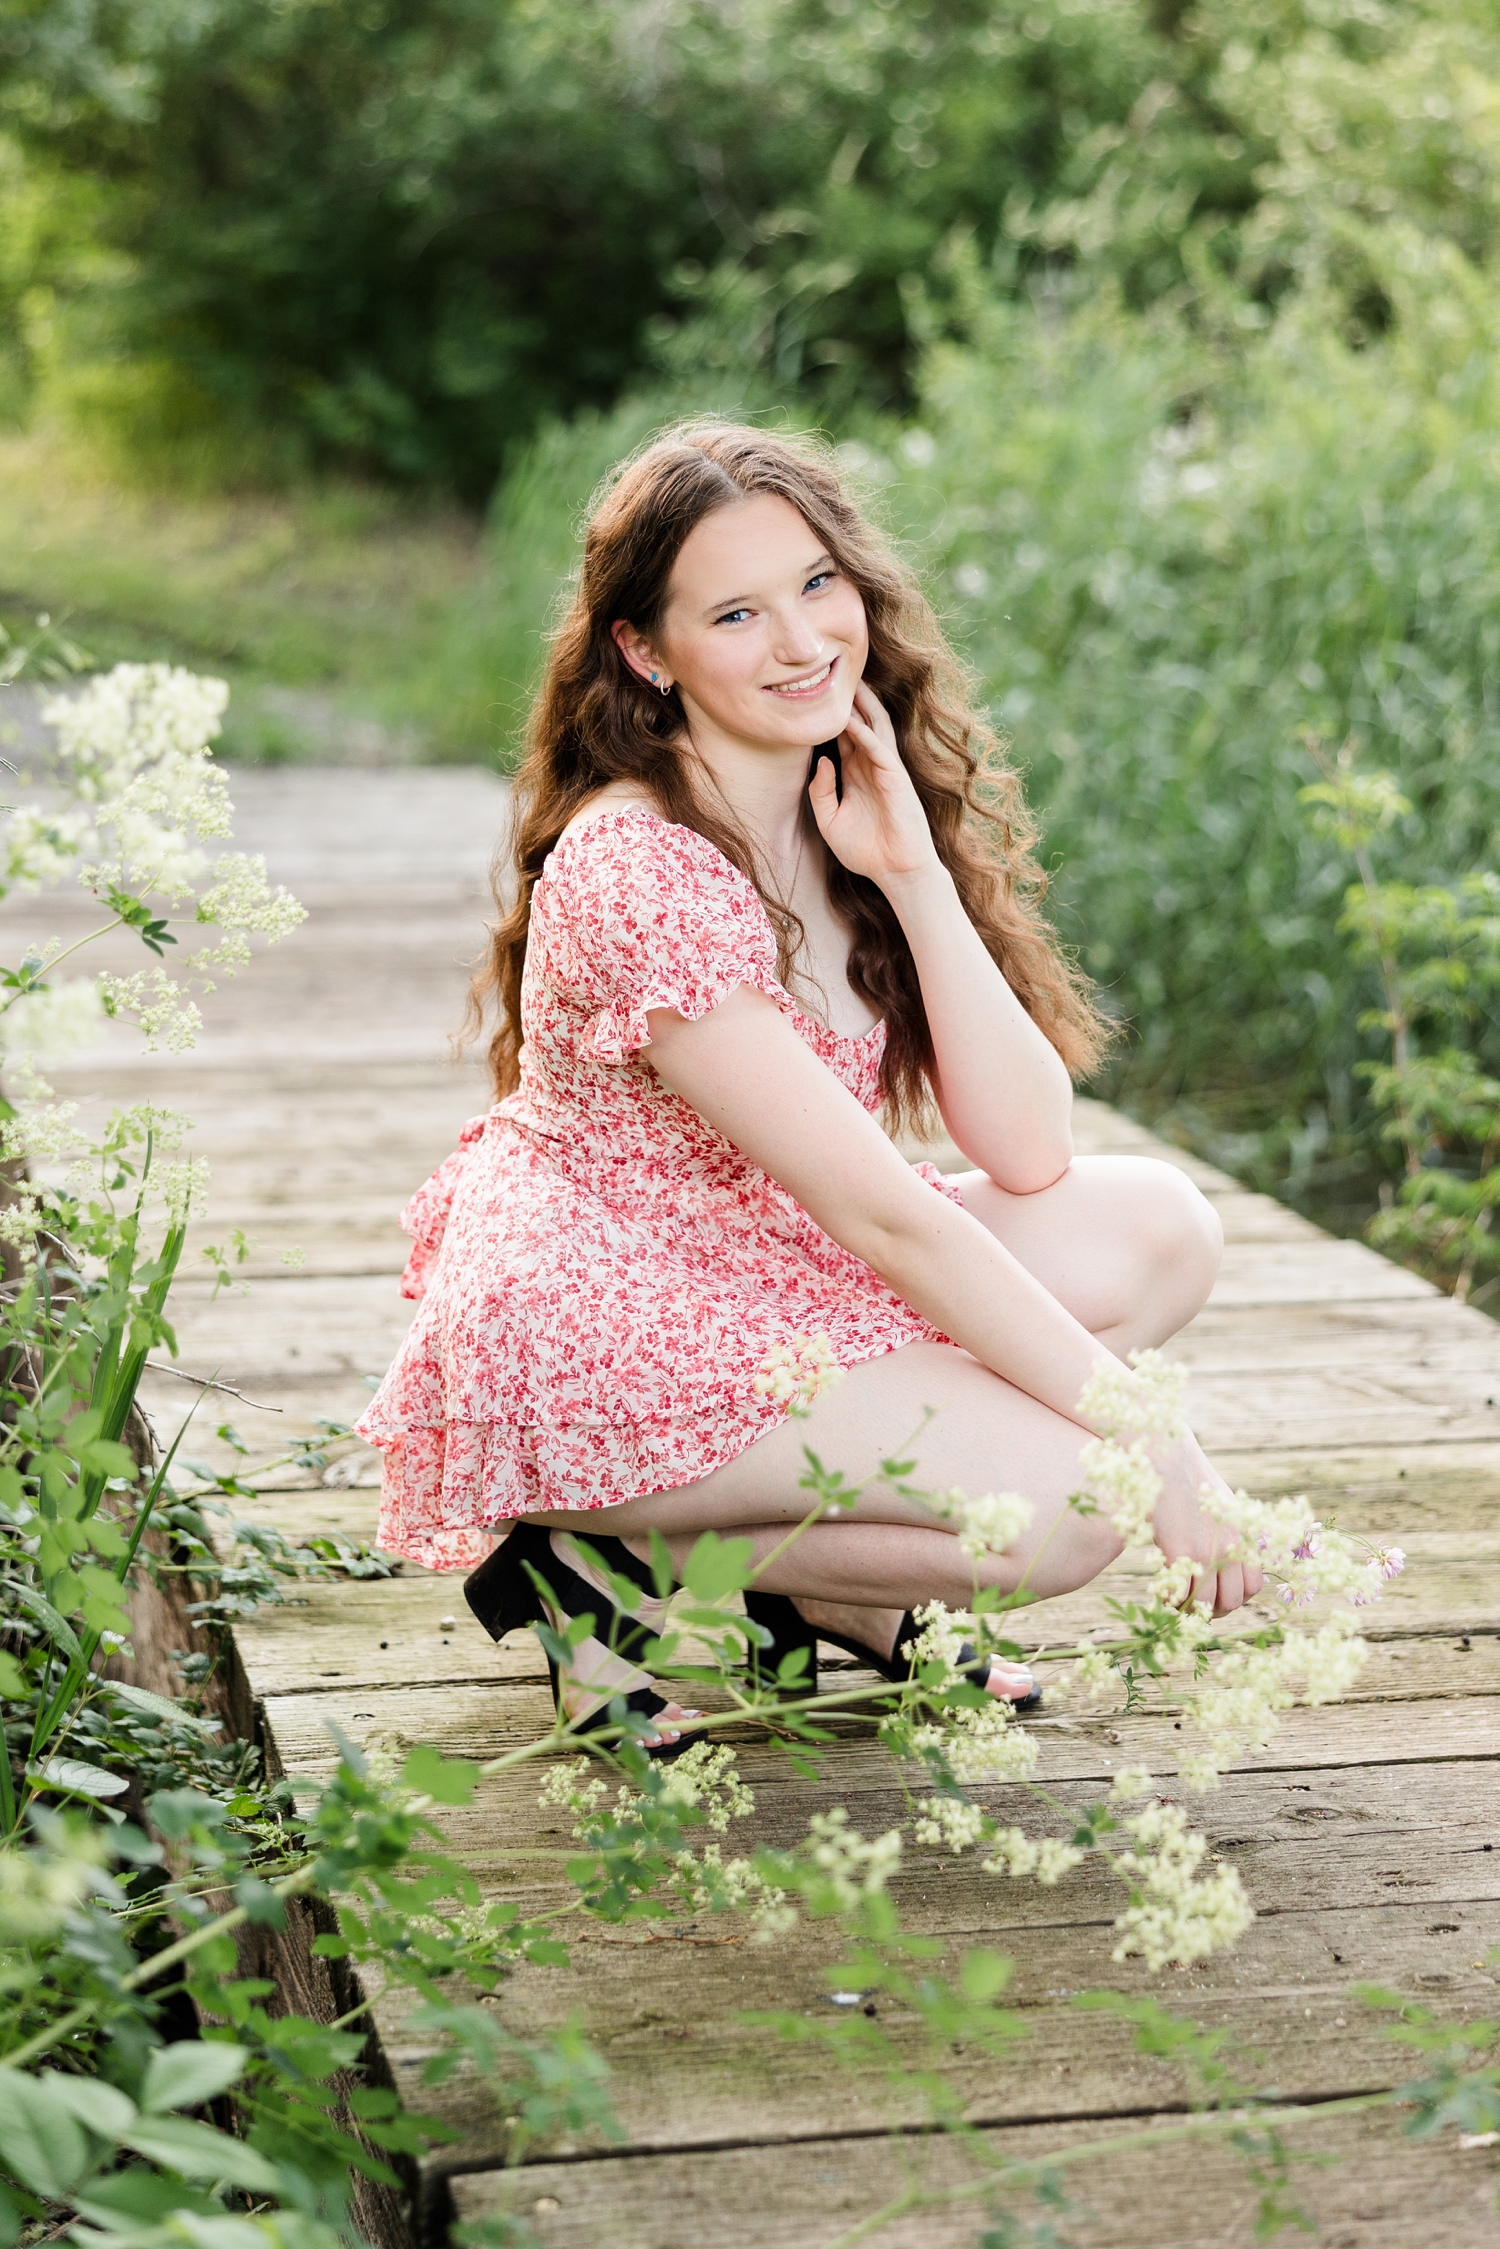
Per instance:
x=1131, y=1247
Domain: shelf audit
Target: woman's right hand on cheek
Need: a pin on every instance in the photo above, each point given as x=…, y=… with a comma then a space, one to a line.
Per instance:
x=1185, y=1528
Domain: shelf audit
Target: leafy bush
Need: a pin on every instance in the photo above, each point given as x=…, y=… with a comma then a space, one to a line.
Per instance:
x=1169, y=568
x=401, y=234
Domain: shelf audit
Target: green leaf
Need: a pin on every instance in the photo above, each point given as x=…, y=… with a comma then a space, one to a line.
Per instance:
x=546, y=1952
x=197, y=2151
x=259, y=1903
x=137, y=2198
x=226, y=2232
x=103, y=2108
x=718, y=1566
x=982, y=1974
x=193, y=2071
x=37, y=1605
x=12, y=1677
x=158, y=1706
x=447, y=1780
x=79, y=1779
x=102, y=1457
x=663, y=1568
x=40, y=2140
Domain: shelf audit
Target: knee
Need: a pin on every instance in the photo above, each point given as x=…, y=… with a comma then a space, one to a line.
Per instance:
x=1180, y=1240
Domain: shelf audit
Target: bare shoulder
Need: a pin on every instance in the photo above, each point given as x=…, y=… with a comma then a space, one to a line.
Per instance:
x=613, y=798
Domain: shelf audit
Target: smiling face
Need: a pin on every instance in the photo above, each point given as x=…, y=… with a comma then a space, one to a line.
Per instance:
x=763, y=637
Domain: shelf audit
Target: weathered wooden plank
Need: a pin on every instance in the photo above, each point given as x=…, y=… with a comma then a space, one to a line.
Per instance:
x=1370, y=1875
x=673, y=2015
x=1372, y=2190
x=511, y=1709
x=378, y=1631
x=365, y=1644
x=1383, y=1340
x=1311, y=1272
x=1332, y=1407
x=1385, y=1491
x=325, y=1325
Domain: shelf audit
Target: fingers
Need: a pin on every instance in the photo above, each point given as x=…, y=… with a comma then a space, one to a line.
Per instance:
x=869, y=726
x=1230, y=1592
x=823, y=793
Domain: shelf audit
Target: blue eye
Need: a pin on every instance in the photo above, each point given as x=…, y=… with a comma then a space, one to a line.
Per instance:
x=823, y=578
x=730, y=616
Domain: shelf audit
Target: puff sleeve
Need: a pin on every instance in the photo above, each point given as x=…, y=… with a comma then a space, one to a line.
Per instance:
x=655, y=917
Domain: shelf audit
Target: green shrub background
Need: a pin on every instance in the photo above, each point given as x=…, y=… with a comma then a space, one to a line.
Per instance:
x=1164, y=335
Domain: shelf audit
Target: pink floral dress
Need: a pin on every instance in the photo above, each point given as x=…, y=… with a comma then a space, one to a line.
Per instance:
x=601, y=1274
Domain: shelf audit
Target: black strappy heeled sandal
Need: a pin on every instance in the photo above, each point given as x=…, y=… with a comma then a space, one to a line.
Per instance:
x=505, y=1597
x=897, y=1667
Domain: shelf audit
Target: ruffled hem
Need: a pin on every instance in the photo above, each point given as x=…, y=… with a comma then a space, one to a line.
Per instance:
x=448, y=1491
x=426, y=1216
x=450, y=1486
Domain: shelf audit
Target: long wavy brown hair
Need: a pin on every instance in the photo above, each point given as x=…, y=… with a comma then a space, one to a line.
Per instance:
x=595, y=721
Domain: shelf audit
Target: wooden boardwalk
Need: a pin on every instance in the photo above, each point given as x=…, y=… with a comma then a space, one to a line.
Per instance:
x=1368, y=1838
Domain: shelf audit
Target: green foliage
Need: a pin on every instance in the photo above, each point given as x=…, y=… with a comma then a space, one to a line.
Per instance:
x=1436, y=948
x=402, y=234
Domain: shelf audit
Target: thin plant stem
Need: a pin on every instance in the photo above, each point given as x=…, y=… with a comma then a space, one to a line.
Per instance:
x=149, y=1970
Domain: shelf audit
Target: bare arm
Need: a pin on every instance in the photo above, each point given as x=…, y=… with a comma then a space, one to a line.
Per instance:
x=1001, y=1085
x=744, y=1069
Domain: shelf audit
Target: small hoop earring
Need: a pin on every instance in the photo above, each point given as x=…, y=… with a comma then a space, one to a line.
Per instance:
x=666, y=685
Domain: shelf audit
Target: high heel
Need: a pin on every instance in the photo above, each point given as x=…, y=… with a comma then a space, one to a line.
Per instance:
x=896, y=1667
x=505, y=1595
x=790, y=1632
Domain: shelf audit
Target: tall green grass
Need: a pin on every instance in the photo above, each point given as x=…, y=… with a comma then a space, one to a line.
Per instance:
x=1171, y=566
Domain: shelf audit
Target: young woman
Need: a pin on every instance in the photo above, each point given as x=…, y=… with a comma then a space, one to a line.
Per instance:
x=768, y=878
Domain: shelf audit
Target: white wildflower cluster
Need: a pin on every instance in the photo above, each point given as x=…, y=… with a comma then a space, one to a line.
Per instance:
x=1123, y=1484
x=795, y=1374
x=167, y=1017
x=1141, y=1400
x=52, y=1019
x=705, y=1777
x=942, y=1638
x=1128, y=1405
x=1302, y=1558
x=41, y=847
x=1044, y=1858
x=1174, y=1918
x=990, y=1524
x=984, y=1744
x=853, y=1866
x=1130, y=1782
x=1095, y=1678
x=137, y=742
x=41, y=1135
x=21, y=1221
x=574, y=1786
x=1238, y=1706
x=710, y=1883
x=182, y=1186
x=952, y=1822
x=241, y=900
x=141, y=796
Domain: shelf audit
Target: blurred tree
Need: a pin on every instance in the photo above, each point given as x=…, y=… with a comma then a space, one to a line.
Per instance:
x=398, y=232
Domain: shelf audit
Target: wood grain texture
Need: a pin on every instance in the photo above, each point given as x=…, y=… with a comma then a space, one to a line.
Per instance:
x=1368, y=1834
